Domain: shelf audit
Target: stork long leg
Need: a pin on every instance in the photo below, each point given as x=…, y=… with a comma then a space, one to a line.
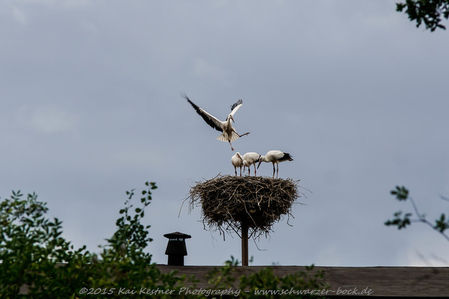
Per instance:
x=239, y=134
x=274, y=169
x=277, y=173
x=240, y=170
x=231, y=145
x=235, y=170
x=255, y=171
x=249, y=170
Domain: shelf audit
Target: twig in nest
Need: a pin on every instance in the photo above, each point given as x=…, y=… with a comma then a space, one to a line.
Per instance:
x=259, y=202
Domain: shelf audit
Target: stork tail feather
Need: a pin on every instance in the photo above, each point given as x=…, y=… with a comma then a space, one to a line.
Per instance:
x=234, y=136
x=224, y=137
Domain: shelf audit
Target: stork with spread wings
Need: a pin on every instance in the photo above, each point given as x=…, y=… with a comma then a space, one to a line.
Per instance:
x=228, y=132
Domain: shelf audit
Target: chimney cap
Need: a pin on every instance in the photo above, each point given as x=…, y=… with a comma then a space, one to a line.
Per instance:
x=176, y=235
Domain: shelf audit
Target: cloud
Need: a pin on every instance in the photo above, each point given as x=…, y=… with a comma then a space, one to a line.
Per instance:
x=22, y=9
x=19, y=15
x=360, y=107
x=207, y=70
x=48, y=120
x=64, y=3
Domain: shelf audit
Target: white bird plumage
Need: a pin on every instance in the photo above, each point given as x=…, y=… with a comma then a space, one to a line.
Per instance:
x=228, y=132
x=249, y=159
x=237, y=161
x=275, y=157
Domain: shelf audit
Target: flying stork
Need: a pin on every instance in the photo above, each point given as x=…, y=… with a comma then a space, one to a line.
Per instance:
x=237, y=161
x=229, y=134
x=275, y=157
x=249, y=159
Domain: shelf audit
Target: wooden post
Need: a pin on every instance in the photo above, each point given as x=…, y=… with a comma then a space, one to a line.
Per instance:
x=244, y=232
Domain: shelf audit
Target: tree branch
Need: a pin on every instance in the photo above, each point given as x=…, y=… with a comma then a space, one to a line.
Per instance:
x=422, y=219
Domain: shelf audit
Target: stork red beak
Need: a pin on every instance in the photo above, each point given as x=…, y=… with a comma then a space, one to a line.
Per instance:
x=260, y=162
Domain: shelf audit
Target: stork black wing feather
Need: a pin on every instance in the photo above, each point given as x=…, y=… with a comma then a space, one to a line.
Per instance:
x=203, y=115
x=236, y=104
x=286, y=157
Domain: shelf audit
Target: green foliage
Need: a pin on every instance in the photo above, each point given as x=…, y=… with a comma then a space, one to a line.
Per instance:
x=31, y=247
x=37, y=260
x=398, y=221
x=124, y=262
x=131, y=236
x=428, y=12
x=401, y=193
x=261, y=284
x=401, y=220
x=222, y=278
x=441, y=224
x=265, y=280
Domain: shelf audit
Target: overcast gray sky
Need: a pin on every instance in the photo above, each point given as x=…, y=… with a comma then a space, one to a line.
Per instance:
x=90, y=107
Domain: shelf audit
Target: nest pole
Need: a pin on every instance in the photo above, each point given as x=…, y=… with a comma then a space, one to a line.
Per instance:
x=244, y=228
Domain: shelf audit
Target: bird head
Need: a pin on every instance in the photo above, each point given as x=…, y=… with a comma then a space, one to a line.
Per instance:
x=230, y=117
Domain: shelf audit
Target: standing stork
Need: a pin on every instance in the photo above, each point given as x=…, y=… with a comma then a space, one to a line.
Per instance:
x=275, y=157
x=229, y=134
x=249, y=159
x=237, y=161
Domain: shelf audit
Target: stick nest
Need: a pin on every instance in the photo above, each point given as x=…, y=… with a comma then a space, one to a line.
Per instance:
x=258, y=202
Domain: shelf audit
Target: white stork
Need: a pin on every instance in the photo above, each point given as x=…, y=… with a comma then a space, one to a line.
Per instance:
x=249, y=159
x=229, y=134
x=237, y=161
x=275, y=157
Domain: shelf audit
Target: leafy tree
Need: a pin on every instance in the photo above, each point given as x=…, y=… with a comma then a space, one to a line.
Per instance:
x=401, y=220
x=264, y=283
x=124, y=259
x=35, y=259
x=31, y=246
x=429, y=12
